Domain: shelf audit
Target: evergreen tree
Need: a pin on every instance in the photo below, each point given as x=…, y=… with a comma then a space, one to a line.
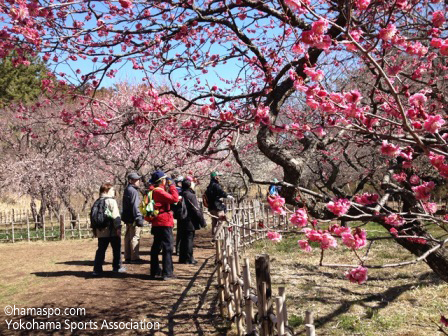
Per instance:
x=21, y=83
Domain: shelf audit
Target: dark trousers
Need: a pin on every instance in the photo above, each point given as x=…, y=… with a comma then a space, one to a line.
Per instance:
x=186, y=246
x=178, y=238
x=103, y=243
x=163, y=241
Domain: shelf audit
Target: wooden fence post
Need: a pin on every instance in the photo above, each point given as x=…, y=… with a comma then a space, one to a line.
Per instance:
x=279, y=311
x=309, y=323
x=28, y=225
x=282, y=293
x=247, y=299
x=236, y=294
x=264, y=292
x=79, y=226
x=43, y=227
x=12, y=226
x=61, y=227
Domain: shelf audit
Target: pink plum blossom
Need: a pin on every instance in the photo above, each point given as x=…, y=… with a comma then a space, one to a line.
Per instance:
x=389, y=149
x=357, y=275
x=387, y=33
x=438, y=19
x=366, y=198
x=401, y=177
x=430, y=207
x=362, y=4
x=299, y=218
x=414, y=179
x=356, y=239
x=394, y=220
x=274, y=236
x=313, y=235
x=339, y=207
x=315, y=75
x=418, y=100
x=304, y=245
x=276, y=203
x=423, y=191
x=328, y=241
x=339, y=230
x=100, y=122
x=434, y=123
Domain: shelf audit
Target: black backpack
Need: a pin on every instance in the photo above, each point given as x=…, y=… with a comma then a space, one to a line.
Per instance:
x=98, y=218
x=179, y=210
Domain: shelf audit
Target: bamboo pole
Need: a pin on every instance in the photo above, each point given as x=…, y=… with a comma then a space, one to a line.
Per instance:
x=219, y=262
x=280, y=316
x=263, y=277
x=282, y=293
x=248, y=301
x=236, y=295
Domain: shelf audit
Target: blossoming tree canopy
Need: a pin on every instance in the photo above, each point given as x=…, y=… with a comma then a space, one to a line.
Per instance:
x=348, y=97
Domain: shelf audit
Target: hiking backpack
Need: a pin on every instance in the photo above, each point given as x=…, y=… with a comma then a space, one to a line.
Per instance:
x=147, y=206
x=179, y=209
x=205, y=200
x=98, y=217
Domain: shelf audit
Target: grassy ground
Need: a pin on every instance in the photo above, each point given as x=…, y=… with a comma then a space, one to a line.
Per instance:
x=394, y=301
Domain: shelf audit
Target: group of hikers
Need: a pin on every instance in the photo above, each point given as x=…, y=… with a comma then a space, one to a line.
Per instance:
x=164, y=199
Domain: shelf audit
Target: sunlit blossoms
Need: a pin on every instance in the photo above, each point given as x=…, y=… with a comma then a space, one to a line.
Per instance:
x=423, y=191
x=433, y=123
x=100, y=122
x=277, y=204
x=394, y=220
x=357, y=275
x=388, y=32
x=324, y=238
x=367, y=198
x=274, y=236
x=299, y=218
x=339, y=207
x=355, y=240
x=390, y=149
x=304, y=245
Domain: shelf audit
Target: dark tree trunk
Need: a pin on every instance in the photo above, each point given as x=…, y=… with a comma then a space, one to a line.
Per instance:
x=73, y=215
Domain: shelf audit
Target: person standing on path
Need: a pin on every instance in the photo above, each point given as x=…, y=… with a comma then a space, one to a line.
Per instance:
x=110, y=234
x=187, y=226
x=133, y=218
x=215, y=194
x=162, y=225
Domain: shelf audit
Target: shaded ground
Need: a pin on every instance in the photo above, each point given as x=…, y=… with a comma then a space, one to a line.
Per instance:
x=58, y=275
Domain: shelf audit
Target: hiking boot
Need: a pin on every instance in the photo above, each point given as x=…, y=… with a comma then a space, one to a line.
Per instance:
x=96, y=274
x=121, y=270
x=127, y=261
x=193, y=262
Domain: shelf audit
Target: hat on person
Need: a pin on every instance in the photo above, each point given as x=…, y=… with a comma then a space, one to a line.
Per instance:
x=157, y=175
x=186, y=184
x=175, y=174
x=134, y=176
x=215, y=173
x=179, y=178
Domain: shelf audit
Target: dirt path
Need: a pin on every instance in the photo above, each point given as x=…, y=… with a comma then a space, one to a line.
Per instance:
x=58, y=275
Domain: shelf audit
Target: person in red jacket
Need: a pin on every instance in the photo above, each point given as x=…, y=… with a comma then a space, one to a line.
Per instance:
x=164, y=193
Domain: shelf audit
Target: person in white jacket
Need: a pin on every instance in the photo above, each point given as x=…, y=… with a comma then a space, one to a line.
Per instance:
x=110, y=234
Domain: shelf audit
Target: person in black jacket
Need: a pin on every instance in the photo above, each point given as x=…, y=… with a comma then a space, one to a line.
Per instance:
x=133, y=218
x=187, y=226
x=215, y=194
